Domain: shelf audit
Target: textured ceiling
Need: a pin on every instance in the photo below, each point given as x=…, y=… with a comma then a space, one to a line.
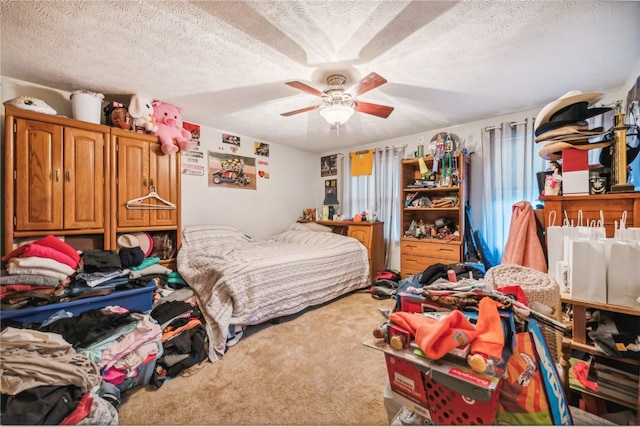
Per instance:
x=226, y=62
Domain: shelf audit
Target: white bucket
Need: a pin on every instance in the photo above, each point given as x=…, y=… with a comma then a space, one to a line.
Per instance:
x=86, y=106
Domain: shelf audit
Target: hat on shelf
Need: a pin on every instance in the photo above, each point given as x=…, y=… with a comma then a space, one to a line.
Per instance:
x=30, y=103
x=143, y=240
x=553, y=150
x=574, y=113
x=558, y=113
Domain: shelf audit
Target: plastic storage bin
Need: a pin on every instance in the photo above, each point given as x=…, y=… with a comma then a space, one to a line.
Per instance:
x=132, y=299
x=141, y=377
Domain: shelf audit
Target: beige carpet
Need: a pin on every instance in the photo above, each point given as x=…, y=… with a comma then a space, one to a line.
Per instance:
x=309, y=369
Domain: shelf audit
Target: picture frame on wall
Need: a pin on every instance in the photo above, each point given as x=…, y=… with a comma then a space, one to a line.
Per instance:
x=231, y=171
x=331, y=186
x=329, y=165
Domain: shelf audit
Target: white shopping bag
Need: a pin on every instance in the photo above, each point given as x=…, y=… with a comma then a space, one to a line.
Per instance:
x=623, y=274
x=555, y=247
x=625, y=234
x=593, y=230
x=588, y=269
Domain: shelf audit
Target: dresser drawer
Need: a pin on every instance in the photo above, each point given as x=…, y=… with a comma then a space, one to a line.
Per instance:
x=420, y=263
x=360, y=233
x=445, y=251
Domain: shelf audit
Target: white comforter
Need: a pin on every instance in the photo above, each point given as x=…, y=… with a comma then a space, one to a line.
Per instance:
x=243, y=282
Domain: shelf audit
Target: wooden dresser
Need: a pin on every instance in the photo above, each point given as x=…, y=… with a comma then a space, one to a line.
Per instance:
x=612, y=206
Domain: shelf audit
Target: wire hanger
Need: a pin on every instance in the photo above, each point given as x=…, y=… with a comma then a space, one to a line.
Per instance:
x=139, y=203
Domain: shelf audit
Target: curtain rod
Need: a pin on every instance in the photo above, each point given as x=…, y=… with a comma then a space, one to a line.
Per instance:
x=387, y=148
x=521, y=122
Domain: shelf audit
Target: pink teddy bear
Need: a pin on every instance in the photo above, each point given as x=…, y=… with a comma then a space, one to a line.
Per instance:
x=169, y=121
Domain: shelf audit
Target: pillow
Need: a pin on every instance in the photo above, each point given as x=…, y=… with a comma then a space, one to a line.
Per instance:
x=314, y=226
x=216, y=232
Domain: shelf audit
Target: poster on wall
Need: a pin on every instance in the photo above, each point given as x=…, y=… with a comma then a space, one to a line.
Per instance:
x=231, y=171
x=192, y=163
x=194, y=129
x=262, y=172
x=329, y=165
x=261, y=149
x=231, y=139
x=331, y=186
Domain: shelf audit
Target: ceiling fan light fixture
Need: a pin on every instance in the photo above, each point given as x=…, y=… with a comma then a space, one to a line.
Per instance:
x=337, y=114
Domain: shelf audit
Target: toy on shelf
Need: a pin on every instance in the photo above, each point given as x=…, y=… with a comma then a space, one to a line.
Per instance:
x=172, y=135
x=141, y=111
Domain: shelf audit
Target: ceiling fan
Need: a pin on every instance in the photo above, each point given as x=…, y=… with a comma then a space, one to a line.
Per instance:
x=339, y=104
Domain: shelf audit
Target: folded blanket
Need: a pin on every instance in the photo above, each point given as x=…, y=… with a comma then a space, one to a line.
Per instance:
x=47, y=247
x=38, y=262
x=14, y=269
x=153, y=269
x=27, y=279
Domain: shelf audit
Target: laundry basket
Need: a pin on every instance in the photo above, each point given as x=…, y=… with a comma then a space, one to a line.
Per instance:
x=538, y=287
x=448, y=407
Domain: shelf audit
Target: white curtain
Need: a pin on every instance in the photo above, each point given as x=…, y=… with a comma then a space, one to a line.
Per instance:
x=510, y=161
x=377, y=194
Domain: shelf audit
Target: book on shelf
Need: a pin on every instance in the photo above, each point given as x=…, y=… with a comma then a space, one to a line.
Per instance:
x=618, y=395
x=617, y=367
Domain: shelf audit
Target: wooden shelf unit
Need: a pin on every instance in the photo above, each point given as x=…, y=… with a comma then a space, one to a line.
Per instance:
x=579, y=342
x=612, y=206
x=416, y=254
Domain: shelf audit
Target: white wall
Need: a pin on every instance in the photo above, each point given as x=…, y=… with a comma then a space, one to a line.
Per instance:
x=276, y=203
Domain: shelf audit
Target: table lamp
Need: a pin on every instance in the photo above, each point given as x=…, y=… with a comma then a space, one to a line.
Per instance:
x=330, y=201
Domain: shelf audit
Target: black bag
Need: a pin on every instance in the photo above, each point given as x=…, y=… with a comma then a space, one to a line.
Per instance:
x=383, y=289
x=439, y=271
x=392, y=275
x=46, y=404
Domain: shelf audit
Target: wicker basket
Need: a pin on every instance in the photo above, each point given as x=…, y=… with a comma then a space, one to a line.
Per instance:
x=538, y=287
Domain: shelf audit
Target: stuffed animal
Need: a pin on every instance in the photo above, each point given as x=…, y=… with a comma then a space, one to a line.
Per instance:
x=141, y=112
x=169, y=122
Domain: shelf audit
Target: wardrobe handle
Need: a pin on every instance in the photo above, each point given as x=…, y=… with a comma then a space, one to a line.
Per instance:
x=144, y=182
x=57, y=175
x=68, y=176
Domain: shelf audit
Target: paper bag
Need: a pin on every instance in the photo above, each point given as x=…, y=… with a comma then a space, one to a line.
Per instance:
x=588, y=270
x=555, y=246
x=623, y=274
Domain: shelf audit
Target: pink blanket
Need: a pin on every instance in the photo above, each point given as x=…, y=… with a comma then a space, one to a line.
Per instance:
x=47, y=247
x=523, y=245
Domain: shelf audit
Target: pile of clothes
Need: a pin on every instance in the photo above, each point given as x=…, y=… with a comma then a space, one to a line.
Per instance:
x=72, y=368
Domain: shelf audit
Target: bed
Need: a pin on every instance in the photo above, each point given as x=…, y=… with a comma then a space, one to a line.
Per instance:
x=240, y=282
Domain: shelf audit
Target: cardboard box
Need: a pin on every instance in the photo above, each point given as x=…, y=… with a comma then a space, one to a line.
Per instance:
x=575, y=183
x=574, y=160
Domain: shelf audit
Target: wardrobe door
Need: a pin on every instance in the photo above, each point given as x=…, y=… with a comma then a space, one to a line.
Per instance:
x=38, y=176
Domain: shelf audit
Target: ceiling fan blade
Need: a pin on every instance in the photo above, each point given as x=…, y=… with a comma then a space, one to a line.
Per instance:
x=302, y=110
x=305, y=88
x=373, y=109
x=368, y=82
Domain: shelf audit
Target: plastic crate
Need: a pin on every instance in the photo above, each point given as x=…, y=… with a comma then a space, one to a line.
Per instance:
x=133, y=299
x=141, y=376
x=447, y=407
